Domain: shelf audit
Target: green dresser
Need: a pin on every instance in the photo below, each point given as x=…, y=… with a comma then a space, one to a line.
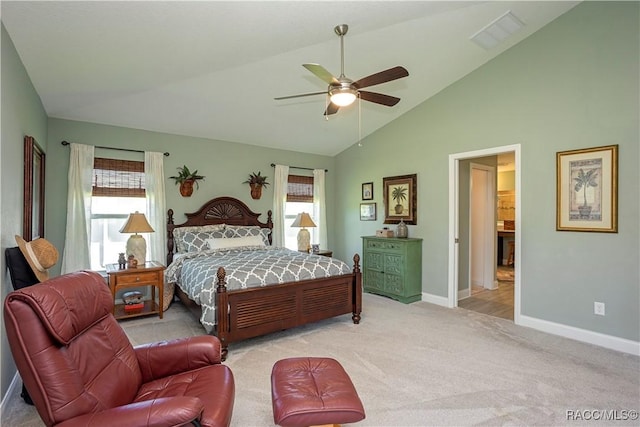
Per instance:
x=393, y=267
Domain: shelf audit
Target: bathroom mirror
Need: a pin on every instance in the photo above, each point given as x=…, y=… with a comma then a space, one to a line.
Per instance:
x=33, y=210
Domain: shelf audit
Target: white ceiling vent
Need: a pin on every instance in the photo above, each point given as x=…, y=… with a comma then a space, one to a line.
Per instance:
x=497, y=31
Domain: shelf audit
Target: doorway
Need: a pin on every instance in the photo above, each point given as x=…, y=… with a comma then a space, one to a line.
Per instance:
x=460, y=223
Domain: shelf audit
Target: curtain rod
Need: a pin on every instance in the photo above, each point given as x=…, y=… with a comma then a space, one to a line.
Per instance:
x=273, y=165
x=118, y=149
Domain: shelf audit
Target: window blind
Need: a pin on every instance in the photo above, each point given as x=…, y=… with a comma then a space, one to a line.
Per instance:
x=118, y=178
x=300, y=189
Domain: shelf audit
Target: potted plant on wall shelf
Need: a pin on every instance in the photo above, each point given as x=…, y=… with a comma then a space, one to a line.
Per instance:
x=186, y=179
x=256, y=182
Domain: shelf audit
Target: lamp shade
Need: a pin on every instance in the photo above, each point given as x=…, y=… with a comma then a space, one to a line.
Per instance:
x=136, y=223
x=303, y=220
x=136, y=245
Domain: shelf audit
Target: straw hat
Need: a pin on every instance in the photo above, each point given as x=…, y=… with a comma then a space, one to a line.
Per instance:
x=40, y=254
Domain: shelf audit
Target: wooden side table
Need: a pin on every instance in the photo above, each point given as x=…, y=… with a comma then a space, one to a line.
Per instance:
x=149, y=274
x=324, y=252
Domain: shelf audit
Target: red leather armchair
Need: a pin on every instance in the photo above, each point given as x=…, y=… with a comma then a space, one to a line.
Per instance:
x=81, y=370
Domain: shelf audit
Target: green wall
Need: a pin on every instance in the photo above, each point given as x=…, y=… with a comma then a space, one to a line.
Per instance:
x=225, y=166
x=22, y=114
x=571, y=85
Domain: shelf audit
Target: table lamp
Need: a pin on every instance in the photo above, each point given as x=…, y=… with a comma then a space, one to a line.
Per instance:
x=304, y=238
x=136, y=245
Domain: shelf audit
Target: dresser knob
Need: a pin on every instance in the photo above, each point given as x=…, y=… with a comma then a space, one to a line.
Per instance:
x=137, y=279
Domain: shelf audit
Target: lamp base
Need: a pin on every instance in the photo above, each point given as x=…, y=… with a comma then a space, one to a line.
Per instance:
x=304, y=240
x=137, y=246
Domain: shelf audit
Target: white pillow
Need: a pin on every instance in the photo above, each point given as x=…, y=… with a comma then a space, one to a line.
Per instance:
x=235, y=242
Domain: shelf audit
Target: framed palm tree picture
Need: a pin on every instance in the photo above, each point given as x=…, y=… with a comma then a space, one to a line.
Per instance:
x=400, y=199
x=587, y=189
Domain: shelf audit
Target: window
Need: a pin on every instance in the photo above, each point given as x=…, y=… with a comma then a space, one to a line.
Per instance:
x=299, y=199
x=118, y=190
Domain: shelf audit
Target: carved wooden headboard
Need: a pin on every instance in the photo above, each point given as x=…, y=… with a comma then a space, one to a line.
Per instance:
x=221, y=210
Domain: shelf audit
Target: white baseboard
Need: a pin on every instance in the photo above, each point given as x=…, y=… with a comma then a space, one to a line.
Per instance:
x=435, y=299
x=464, y=293
x=596, y=338
x=15, y=382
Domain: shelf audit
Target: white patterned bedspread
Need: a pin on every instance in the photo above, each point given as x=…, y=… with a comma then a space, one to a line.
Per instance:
x=247, y=267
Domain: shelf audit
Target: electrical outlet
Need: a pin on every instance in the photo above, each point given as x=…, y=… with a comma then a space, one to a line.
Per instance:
x=598, y=308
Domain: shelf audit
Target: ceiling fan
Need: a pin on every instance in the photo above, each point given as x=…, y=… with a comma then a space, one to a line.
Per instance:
x=342, y=91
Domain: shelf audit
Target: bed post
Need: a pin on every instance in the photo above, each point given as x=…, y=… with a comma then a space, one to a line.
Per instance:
x=357, y=289
x=222, y=311
x=170, y=227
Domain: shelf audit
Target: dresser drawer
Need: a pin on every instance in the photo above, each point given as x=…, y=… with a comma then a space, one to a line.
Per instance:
x=139, y=278
x=385, y=246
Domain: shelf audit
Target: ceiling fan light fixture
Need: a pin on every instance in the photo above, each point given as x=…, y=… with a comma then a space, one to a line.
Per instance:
x=342, y=96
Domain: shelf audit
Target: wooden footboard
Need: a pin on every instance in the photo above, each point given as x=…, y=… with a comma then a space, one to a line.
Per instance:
x=253, y=312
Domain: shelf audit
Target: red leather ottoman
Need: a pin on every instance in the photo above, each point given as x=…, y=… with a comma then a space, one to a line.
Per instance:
x=311, y=391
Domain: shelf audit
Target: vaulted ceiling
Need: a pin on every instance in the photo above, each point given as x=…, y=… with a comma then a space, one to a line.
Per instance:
x=211, y=69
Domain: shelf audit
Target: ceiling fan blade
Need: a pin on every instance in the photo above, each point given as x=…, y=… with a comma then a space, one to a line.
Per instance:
x=299, y=96
x=331, y=109
x=379, y=98
x=322, y=73
x=382, y=77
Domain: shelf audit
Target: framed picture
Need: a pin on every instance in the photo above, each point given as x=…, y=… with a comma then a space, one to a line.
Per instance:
x=400, y=199
x=367, y=191
x=587, y=189
x=315, y=248
x=367, y=211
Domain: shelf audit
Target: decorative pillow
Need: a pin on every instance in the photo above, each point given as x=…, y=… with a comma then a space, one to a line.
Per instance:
x=234, y=242
x=248, y=230
x=192, y=239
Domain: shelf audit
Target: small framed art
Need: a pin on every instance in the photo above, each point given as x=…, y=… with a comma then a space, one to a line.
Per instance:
x=367, y=191
x=367, y=211
x=587, y=189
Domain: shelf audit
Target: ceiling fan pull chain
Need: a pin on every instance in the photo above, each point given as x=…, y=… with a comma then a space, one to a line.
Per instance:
x=359, y=121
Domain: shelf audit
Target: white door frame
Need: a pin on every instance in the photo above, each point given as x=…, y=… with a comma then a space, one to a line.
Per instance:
x=454, y=166
x=489, y=244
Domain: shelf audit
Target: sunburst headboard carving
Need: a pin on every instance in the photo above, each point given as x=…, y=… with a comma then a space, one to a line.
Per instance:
x=221, y=210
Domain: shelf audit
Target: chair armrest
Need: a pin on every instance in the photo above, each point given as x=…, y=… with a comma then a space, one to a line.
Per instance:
x=164, y=358
x=163, y=412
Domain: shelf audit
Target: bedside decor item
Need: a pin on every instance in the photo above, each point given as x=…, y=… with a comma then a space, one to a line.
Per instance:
x=136, y=245
x=132, y=297
x=315, y=248
x=303, y=220
x=122, y=261
x=587, y=189
x=367, y=191
x=256, y=182
x=367, y=211
x=402, y=231
x=400, y=199
x=186, y=179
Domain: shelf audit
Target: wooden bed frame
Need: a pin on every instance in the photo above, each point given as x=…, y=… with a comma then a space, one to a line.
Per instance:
x=253, y=312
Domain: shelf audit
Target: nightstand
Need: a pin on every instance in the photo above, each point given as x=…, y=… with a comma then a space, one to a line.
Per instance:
x=149, y=274
x=324, y=252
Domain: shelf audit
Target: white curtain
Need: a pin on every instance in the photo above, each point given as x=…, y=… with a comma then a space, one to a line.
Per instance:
x=77, y=254
x=156, y=205
x=319, y=210
x=279, y=204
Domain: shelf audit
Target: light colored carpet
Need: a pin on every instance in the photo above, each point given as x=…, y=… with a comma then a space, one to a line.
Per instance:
x=422, y=365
